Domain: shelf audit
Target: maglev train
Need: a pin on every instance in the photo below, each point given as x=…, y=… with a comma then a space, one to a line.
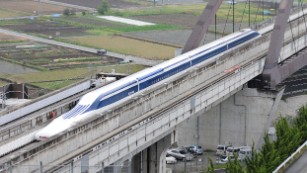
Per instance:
x=92, y=103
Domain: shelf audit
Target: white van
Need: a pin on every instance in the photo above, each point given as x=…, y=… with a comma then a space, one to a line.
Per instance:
x=221, y=150
x=245, y=151
x=233, y=150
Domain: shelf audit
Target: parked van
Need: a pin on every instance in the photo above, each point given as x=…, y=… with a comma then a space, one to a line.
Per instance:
x=245, y=151
x=221, y=150
x=233, y=150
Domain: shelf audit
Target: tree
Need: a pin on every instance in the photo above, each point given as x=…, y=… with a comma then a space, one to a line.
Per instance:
x=66, y=12
x=210, y=167
x=104, y=7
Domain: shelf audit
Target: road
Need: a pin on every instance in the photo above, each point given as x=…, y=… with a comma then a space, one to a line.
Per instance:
x=195, y=166
x=126, y=58
x=69, y=5
x=299, y=166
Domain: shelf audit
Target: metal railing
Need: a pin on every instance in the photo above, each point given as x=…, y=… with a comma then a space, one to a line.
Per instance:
x=289, y=159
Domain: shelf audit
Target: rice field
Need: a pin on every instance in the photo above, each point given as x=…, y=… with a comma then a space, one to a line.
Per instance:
x=127, y=46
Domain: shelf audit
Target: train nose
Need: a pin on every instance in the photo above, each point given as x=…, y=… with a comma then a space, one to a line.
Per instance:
x=41, y=136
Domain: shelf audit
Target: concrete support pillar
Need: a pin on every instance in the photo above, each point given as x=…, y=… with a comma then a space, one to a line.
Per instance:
x=152, y=159
x=271, y=75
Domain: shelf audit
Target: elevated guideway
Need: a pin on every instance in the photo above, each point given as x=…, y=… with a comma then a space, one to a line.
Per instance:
x=135, y=123
x=38, y=113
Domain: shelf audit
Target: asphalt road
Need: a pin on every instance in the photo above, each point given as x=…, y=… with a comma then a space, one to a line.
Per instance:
x=126, y=58
x=198, y=164
x=298, y=166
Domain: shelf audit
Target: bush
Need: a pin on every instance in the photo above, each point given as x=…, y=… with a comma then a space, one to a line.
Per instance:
x=66, y=12
x=104, y=7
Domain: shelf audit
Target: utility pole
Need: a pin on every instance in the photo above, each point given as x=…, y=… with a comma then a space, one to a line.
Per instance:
x=233, y=15
x=249, y=13
x=215, y=26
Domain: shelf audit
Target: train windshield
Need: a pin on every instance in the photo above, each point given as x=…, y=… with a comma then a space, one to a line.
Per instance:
x=78, y=109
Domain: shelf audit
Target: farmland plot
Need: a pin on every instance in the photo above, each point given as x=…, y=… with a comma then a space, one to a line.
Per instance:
x=128, y=46
x=44, y=57
x=30, y=7
x=4, y=38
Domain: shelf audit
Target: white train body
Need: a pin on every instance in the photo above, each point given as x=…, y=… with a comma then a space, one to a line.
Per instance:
x=92, y=103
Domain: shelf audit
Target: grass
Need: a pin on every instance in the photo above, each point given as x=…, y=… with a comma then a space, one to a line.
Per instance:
x=127, y=46
x=60, y=78
x=78, y=59
x=2, y=83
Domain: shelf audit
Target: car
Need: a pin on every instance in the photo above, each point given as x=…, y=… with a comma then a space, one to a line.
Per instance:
x=233, y=150
x=224, y=159
x=170, y=160
x=245, y=151
x=195, y=149
x=180, y=154
x=221, y=150
x=101, y=52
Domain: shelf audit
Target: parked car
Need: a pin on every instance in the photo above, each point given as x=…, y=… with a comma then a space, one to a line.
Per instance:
x=170, y=160
x=101, y=52
x=233, y=150
x=224, y=159
x=180, y=154
x=245, y=151
x=195, y=149
x=221, y=150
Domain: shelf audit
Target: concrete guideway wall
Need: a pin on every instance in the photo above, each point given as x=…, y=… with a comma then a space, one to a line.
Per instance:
x=79, y=140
